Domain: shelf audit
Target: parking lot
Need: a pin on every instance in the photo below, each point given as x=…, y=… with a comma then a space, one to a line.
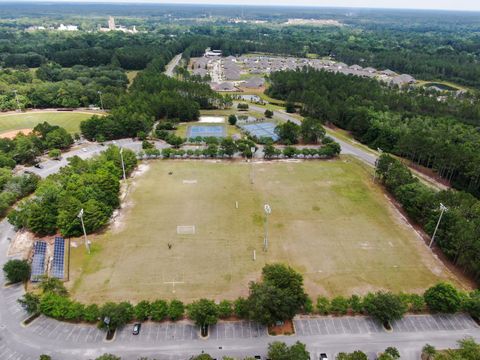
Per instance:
x=157, y=332
x=364, y=325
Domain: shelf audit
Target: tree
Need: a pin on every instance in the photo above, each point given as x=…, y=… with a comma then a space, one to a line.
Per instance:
x=55, y=154
x=232, y=119
x=117, y=314
x=225, y=309
x=281, y=351
x=268, y=151
x=393, y=352
x=288, y=132
x=268, y=113
x=228, y=146
x=384, y=307
x=312, y=130
x=17, y=270
x=158, y=310
x=472, y=304
x=203, y=312
x=339, y=305
x=242, y=106
x=241, y=308
x=176, y=310
x=45, y=357
x=202, y=357
x=91, y=313
x=323, y=305
x=428, y=352
x=278, y=297
x=30, y=302
x=290, y=107
x=443, y=297
x=142, y=310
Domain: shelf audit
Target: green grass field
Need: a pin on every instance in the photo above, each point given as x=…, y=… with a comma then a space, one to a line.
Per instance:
x=328, y=221
x=68, y=120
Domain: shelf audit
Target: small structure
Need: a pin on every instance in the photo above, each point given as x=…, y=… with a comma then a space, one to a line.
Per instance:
x=254, y=83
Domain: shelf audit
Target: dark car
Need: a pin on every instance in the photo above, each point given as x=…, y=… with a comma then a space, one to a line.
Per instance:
x=136, y=329
x=38, y=166
x=323, y=356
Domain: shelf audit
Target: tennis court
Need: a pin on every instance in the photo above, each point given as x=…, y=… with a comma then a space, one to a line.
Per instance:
x=259, y=130
x=206, y=131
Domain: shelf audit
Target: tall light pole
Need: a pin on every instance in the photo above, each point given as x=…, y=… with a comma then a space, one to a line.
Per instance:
x=268, y=211
x=87, y=243
x=16, y=99
x=443, y=208
x=376, y=163
x=101, y=100
x=123, y=164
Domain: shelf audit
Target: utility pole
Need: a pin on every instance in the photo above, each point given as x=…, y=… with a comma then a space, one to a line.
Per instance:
x=268, y=211
x=87, y=243
x=16, y=99
x=123, y=164
x=101, y=100
x=443, y=208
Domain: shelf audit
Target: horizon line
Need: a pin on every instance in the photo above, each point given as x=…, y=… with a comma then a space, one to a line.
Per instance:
x=155, y=2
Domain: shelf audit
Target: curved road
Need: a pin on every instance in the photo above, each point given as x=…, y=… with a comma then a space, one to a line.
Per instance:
x=180, y=340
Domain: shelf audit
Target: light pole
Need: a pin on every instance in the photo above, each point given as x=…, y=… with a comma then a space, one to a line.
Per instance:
x=87, y=243
x=101, y=101
x=376, y=163
x=16, y=99
x=443, y=208
x=123, y=164
x=268, y=211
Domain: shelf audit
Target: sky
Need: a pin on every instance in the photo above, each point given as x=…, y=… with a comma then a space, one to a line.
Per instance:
x=470, y=5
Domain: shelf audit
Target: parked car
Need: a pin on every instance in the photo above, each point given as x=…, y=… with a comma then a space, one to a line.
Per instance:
x=38, y=166
x=136, y=328
x=323, y=356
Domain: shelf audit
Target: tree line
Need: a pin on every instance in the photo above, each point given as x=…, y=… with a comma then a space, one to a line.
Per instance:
x=458, y=234
x=92, y=185
x=411, y=123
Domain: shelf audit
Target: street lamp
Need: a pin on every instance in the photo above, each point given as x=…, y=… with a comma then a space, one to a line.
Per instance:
x=123, y=164
x=268, y=211
x=101, y=101
x=87, y=243
x=443, y=208
x=376, y=164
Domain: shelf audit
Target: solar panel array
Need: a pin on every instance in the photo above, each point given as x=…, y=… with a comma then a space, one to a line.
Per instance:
x=58, y=258
x=38, y=262
x=260, y=130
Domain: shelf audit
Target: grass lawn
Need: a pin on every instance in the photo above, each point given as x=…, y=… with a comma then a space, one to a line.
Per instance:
x=131, y=75
x=68, y=120
x=328, y=221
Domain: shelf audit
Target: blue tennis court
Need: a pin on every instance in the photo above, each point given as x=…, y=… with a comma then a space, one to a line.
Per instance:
x=58, y=258
x=206, y=131
x=38, y=262
x=259, y=130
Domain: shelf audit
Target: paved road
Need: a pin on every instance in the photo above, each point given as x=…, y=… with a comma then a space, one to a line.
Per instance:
x=85, y=151
x=172, y=65
x=347, y=148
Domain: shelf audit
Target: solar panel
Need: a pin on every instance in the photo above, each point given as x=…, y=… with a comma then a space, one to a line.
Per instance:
x=58, y=258
x=38, y=262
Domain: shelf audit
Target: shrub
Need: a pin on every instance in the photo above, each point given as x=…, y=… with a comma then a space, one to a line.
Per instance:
x=356, y=304
x=232, y=119
x=203, y=312
x=225, y=309
x=176, y=309
x=323, y=305
x=268, y=113
x=142, y=310
x=91, y=313
x=443, y=297
x=472, y=304
x=118, y=314
x=339, y=305
x=308, y=307
x=17, y=270
x=241, y=308
x=158, y=310
x=30, y=302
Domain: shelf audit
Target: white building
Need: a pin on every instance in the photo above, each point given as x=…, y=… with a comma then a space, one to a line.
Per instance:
x=67, y=28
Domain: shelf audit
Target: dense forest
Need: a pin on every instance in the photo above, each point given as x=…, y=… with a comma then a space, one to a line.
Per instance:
x=413, y=124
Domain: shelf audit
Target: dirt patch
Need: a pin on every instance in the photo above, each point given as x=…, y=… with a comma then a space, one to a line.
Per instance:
x=21, y=245
x=282, y=329
x=13, y=133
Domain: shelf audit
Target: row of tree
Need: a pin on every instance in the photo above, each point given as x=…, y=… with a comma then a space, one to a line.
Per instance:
x=279, y=296
x=458, y=234
x=92, y=185
x=409, y=123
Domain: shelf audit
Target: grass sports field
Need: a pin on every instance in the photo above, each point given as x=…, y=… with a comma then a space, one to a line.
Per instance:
x=67, y=119
x=328, y=221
